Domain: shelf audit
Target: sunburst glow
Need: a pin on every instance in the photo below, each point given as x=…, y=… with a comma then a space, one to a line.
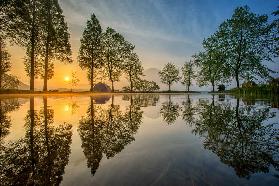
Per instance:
x=67, y=78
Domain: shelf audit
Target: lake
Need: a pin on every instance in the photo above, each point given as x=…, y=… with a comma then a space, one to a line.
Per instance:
x=139, y=139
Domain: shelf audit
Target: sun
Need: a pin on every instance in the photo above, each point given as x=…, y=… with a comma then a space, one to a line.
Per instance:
x=67, y=78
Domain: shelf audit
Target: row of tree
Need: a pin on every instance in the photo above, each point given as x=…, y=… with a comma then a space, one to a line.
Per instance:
x=39, y=26
x=237, y=50
x=109, y=55
x=229, y=130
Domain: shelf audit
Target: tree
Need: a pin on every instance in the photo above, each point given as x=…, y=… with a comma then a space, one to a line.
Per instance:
x=169, y=74
x=90, y=50
x=24, y=28
x=146, y=86
x=211, y=63
x=133, y=68
x=187, y=74
x=54, y=39
x=243, y=137
x=40, y=157
x=5, y=63
x=170, y=111
x=112, y=44
x=74, y=80
x=275, y=25
x=248, y=40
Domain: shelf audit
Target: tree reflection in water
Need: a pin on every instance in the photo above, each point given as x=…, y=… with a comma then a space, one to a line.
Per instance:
x=107, y=130
x=170, y=111
x=239, y=135
x=40, y=157
x=6, y=106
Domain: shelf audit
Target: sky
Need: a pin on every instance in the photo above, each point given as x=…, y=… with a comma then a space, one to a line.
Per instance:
x=162, y=30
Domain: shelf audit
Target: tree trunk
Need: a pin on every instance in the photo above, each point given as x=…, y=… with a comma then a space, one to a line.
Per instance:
x=169, y=87
x=237, y=80
x=213, y=86
x=47, y=45
x=46, y=67
x=131, y=83
x=1, y=65
x=31, y=136
x=188, y=88
x=47, y=177
x=91, y=79
x=112, y=86
x=32, y=52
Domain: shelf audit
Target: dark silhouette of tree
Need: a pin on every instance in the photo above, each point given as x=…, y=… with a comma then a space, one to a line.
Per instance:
x=6, y=106
x=143, y=100
x=187, y=74
x=112, y=45
x=239, y=137
x=5, y=63
x=169, y=111
x=211, y=63
x=275, y=26
x=188, y=111
x=169, y=74
x=90, y=52
x=107, y=131
x=54, y=39
x=132, y=65
x=91, y=130
x=24, y=28
x=248, y=40
x=143, y=85
x=40, y=157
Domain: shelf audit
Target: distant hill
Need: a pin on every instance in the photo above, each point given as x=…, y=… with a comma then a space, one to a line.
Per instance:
x=152, y=74
x=23, y=86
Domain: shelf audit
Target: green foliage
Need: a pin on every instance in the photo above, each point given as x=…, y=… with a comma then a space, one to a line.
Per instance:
x=40, y=157
x=107, y=131
x=169, y=74
x=5, y=63
x=211, y=63
x=90, y=52
x=10, y=82
x=187, y=74
x=239, y=136
x=248, y=40
x=170, y=111
x=133, y=69
x=54, y=39
x=112, y=45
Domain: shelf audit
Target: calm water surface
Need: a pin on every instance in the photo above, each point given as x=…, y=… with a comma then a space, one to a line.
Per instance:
x=139, y=140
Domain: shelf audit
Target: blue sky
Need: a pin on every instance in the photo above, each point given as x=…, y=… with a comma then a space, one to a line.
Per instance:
x=162, y=30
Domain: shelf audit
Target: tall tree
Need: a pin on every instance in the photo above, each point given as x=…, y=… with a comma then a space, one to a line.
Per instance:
x=54, y=39
x=275, y=25
x=133, y=68
x=169, y=74
x=90, y=50
x=187, y=74
x=211, y=63
x=112, y=43
x=246, y=38
x=24, y=27
x=5, y=63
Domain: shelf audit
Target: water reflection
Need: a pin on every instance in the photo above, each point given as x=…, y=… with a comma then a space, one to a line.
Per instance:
x=40, y=157
x=238, y=135
x=6, y=106
x=243, y=135
x=170, y=111
x=107, y=130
